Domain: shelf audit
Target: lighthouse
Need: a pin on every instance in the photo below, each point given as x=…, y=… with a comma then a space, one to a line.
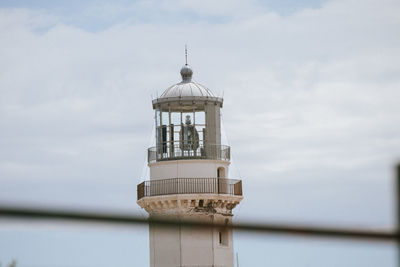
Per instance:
x=189, y=179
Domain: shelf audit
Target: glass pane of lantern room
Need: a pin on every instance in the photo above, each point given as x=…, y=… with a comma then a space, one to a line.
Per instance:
x=159, y=132
x=157, y=117
x=165, y=128
x=165, y=118
x=200, y=124
x=200, y=118
x=175, y=126
x=176, y=118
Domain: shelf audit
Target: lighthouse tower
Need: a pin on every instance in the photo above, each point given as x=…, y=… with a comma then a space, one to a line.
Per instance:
x=189, y=179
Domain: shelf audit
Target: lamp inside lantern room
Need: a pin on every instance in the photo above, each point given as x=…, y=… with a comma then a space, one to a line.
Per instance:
x=189, y=137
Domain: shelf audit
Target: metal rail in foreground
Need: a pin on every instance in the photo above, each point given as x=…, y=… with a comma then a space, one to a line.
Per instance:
x=123, y=219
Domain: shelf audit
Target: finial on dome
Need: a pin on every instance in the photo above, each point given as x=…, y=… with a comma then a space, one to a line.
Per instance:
x=186, y=71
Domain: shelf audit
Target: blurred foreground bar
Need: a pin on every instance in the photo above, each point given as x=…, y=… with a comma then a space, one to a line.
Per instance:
x=22, y=213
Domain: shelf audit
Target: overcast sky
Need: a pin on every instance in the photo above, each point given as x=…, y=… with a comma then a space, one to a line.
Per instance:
x=311, y=111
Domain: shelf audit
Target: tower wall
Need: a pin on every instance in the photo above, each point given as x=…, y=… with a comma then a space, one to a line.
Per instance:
x=191, y=246
x=165, y=246
x=187, y=169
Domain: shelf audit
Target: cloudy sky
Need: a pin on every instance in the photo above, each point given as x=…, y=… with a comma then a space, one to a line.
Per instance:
x=311, y=110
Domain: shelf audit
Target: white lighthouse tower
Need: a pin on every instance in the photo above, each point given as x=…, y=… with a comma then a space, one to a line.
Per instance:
x=189, y=179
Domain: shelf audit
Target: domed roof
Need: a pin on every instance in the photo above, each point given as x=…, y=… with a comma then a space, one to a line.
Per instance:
x=187, y=87
x=187, y=90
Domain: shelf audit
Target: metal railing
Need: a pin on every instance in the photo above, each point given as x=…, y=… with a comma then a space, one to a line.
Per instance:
x=174, y=152
x=189, y=186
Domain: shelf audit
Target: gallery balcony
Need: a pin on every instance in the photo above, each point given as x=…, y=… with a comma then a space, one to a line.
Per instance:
x=177, y=186
x=178, y=152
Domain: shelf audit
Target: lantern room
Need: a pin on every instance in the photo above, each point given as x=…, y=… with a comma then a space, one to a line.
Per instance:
x=187, y=119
